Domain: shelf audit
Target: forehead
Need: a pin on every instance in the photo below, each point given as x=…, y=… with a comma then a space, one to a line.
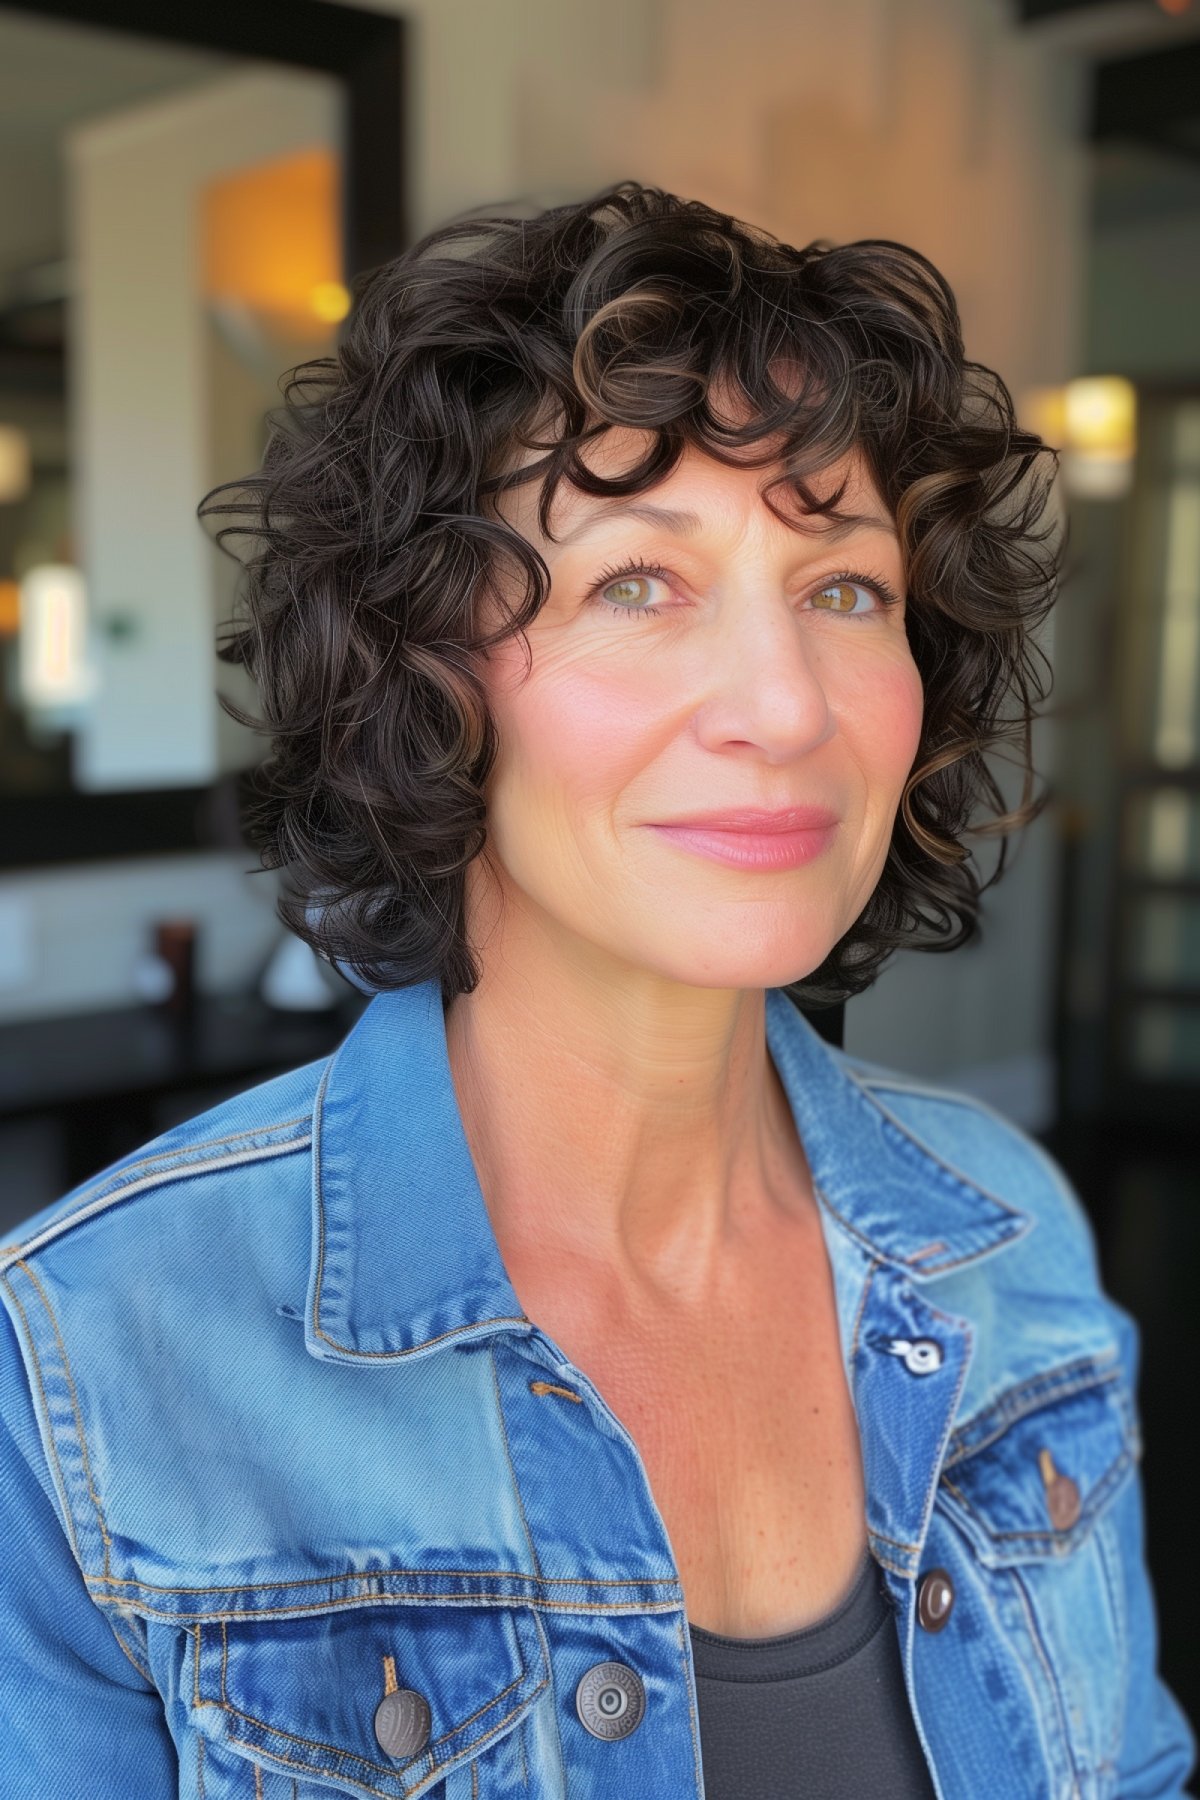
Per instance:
x=621, y=448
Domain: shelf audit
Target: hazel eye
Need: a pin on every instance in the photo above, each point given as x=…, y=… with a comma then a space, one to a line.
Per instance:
x=630, y=581
x=841, y=596
x=625, y=589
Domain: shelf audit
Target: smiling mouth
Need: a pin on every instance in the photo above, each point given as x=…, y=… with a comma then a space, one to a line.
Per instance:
x=746, y=847
x=755, y=821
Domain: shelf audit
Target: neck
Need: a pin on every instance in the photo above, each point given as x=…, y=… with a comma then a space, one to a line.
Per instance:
x=619, y=1117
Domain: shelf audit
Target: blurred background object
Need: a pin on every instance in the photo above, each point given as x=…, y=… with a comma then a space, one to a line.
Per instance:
x=186, y=192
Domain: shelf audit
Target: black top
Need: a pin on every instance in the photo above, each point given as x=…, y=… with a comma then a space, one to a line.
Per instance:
x=821, y=1711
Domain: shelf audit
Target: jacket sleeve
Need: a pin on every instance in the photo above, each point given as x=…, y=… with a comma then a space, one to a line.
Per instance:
x=81, y=1716
x=1157, y=1755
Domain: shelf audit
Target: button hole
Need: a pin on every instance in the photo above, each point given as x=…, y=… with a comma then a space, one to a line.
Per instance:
x=929, y=1250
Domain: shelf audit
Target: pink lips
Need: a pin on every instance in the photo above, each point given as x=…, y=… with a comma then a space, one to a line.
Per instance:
x=755, y=838
x=758, y=819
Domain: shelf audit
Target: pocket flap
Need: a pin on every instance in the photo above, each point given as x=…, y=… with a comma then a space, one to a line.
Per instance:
x=301, y=1693
x=1027, y=1478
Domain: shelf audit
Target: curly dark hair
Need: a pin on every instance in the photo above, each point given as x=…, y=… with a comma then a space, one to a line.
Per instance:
x=377, y=537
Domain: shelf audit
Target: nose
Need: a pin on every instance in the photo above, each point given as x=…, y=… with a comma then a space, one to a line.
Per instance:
x=766, y=682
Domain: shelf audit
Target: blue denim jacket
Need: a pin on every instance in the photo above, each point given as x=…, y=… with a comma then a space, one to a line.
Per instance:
x=278, y=1440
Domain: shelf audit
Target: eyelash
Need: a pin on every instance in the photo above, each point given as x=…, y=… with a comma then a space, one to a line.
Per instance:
x=883, y=589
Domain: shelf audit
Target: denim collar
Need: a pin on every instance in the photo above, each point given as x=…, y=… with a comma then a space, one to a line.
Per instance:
x=404, y=1257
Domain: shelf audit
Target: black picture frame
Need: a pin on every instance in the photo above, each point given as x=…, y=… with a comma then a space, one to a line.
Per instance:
x=367, y=52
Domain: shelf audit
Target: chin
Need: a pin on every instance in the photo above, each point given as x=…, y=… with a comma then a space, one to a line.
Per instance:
x=731, y=967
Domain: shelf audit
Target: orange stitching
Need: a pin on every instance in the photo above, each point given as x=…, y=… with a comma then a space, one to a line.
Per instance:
x=471, y=1717
x=858, y=1317
x=295, y=1737
x=155, y=1587
x=499, y=1600
x=537, y=1567
x=389, y=1675
x=318, y=1133
x=87, y=1464
x=1099, y=1492
x=691, y=1710
x=318, y=1115
x=968, y=1181
x=37, y=1370
x=550, y=1387
x=129, y=1653
x=1052, y=1683
x=346, y=1754
x=474, y=1325
x=205, y=1144
x=898, y=1542
x=1027, y=1398
x=292, y=1763
x=887, y=1563
x=931, y=1487
x=877, y=1252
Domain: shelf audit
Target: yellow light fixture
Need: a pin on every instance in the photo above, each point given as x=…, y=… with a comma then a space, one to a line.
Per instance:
x=1093, y=422
x=330, y=301
x=1101, y=413
x=10, y=608
x=53, y=671
x=16, y=472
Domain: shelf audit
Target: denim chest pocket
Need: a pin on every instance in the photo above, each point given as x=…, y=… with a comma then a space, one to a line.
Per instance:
x=394, y=1700
x=1033, y=1484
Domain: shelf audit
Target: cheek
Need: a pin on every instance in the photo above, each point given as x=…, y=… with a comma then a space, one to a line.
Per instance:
x=570, y=733
x=882, y=716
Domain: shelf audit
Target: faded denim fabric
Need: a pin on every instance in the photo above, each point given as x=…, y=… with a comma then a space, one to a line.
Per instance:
x=273, y=1415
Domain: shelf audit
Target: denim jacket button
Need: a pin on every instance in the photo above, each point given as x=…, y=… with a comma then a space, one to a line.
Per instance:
x=1062, y=1494
x=402, y=1721
x=610, y=1700
x=935, y=1597
x=1062, y=1497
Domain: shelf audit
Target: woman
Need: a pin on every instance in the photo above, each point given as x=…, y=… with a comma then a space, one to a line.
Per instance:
x=589, y=1381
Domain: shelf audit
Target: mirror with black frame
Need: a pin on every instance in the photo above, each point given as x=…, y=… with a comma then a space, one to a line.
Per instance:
x=178, y=223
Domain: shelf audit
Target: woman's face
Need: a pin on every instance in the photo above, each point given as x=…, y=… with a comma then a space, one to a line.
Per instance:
x=759, y=666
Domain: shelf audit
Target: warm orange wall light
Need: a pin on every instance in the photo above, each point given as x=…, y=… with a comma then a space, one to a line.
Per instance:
x=271, y=240
x=10, y=608
x=1093, y=422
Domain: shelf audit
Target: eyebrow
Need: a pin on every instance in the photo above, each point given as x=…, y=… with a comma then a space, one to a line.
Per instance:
x=688, y=524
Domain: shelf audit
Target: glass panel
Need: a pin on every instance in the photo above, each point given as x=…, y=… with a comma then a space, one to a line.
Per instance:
x=181, y=251
x=1164, y=834
x=1164, y=1043
x=1187, y=434
x=1165, y=941
x=1178, y=712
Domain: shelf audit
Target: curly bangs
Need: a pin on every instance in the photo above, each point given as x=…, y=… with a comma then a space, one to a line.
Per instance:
x=376, y=541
